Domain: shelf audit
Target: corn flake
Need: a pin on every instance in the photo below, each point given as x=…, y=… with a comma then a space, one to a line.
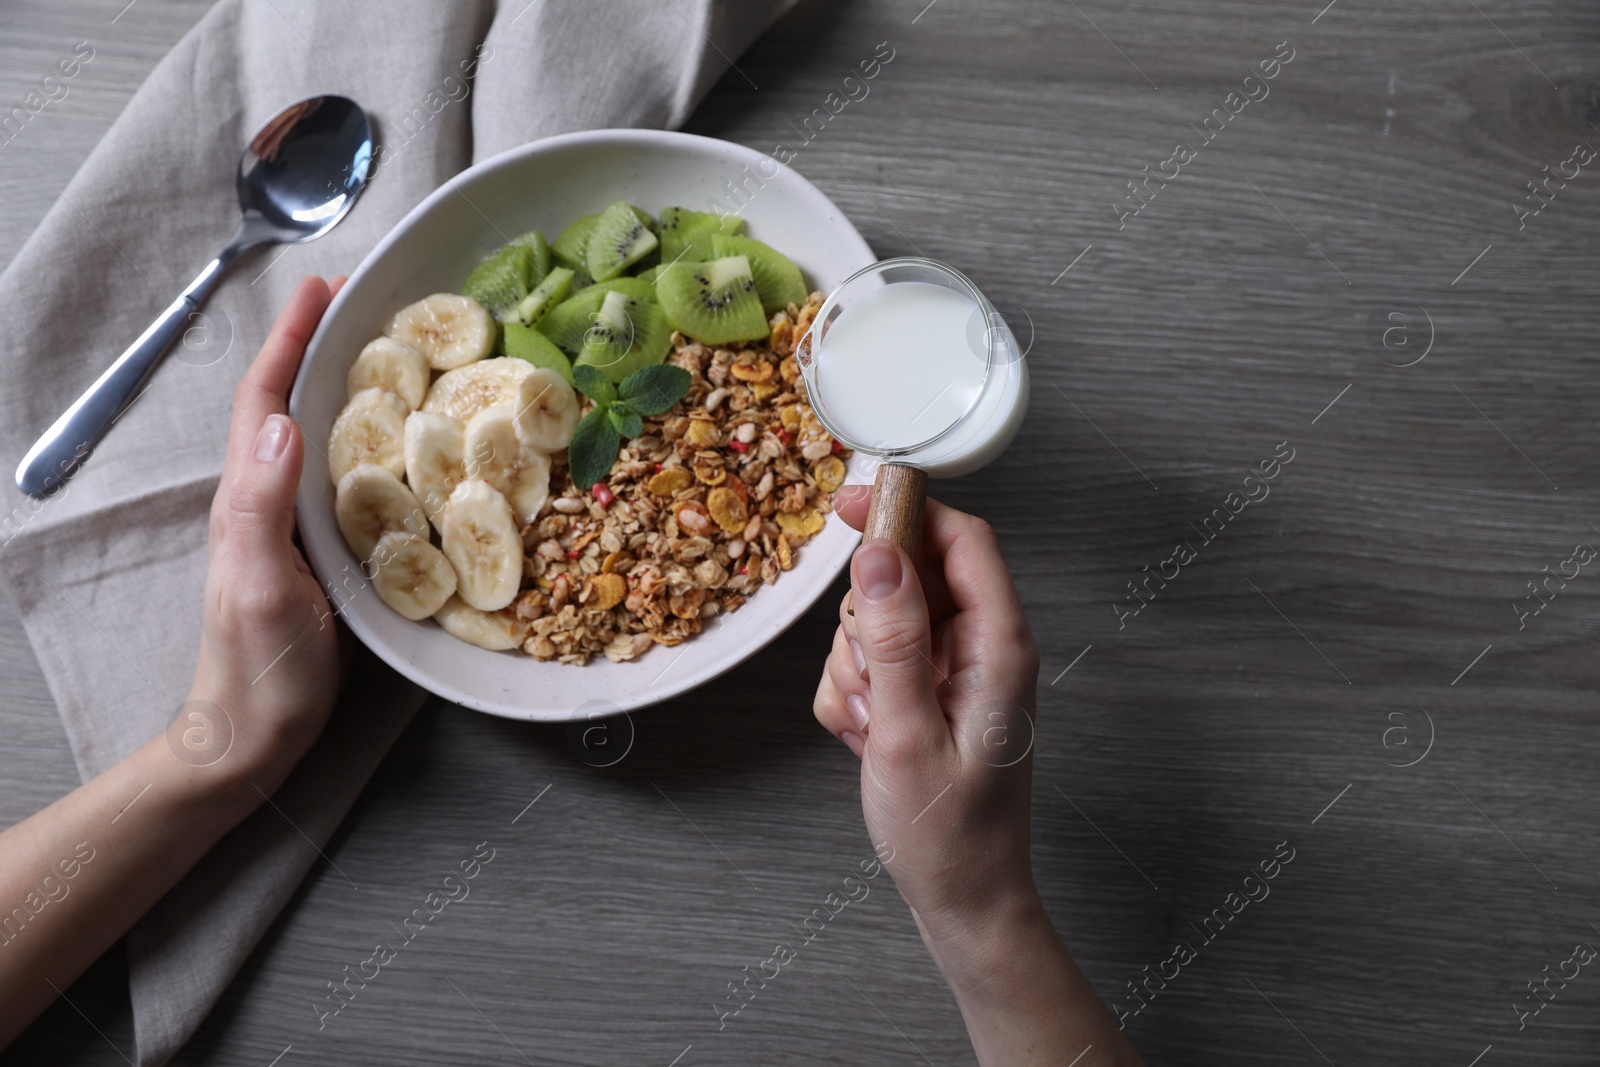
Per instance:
x=800, y=526
x=669, y=481
x=727, y=508
x=829, y=473
x=607, y=590
x=702, y=433
x=752, y=370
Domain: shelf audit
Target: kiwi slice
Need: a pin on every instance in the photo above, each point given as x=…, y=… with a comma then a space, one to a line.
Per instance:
x=626, y=334
x=716, y=303
x=637, y=288
x=619, y=240
x=546, y=295
x=500, y=281
x=539, y=251
x=686, y=234
x=650, y=259
x=649, y=274
x=566, y=323
x=571, y=244
x=526, y=343
x=778, y=280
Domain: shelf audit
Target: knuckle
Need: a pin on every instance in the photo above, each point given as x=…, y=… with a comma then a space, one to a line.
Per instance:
x=1023, y=647
x=898, y=748
x=264, y=603
x=978, y=533
x=841, y=665
x=827, y=709
x=249, y=505
x=1016, y=652
x=217, y=524
x=981, y=529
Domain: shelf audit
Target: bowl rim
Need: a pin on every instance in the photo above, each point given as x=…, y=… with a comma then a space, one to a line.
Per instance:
x=394, y=657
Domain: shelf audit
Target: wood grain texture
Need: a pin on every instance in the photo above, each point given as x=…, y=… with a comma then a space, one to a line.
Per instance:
x=899, y=495
x=1362, y=599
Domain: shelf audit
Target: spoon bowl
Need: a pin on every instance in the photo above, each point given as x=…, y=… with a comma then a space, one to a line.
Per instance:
x=304, y=169
x=297, y=178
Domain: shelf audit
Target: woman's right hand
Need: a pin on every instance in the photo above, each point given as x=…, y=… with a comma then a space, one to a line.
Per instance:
x=931, y=682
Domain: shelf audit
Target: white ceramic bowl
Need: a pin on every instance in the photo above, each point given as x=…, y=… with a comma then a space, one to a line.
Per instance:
x=544, y=185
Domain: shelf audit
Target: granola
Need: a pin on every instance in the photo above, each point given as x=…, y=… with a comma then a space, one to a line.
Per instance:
x=709, y=503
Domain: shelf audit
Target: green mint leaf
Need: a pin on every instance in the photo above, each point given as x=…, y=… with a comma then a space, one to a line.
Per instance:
x=593, y=384
x=625, y=421
x=593, y=448
x=652, y=390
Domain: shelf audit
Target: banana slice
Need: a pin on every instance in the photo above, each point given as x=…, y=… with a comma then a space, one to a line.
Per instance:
x=481, y=541
x=498, y=456
x=498, y=631
x=449, y=330
x=547, y=411
x=371, y=502
x=464, y=392
x=411, y=576
x=370, y=429
x=435, y=459
x=392, y=365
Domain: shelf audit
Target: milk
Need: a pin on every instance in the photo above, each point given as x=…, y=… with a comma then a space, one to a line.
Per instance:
x=909, y=361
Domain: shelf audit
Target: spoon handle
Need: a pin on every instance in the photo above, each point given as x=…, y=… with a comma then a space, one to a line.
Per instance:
x=898, y=495
x=71, y=439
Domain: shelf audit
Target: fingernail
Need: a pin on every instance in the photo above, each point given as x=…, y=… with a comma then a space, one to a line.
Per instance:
x=860, y=657
x=878, y=570
x=273, y=438
x=853, y=742
x=858, y=709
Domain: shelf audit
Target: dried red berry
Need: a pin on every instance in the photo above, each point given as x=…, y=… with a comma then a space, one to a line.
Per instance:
x=602, y=492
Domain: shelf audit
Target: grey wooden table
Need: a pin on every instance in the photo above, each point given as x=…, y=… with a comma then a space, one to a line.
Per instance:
x=1331, y=669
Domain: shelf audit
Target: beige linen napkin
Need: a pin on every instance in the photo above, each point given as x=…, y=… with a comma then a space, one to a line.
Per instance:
x=108, y=574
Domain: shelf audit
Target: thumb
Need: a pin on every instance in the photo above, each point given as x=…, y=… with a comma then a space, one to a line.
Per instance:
x=892, y=628
x=260, y=500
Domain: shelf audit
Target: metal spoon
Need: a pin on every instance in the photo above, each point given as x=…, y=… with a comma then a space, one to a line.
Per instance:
x=299, y=175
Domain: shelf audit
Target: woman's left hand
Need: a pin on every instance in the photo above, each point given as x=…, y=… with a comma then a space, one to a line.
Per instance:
x=269, y=653
x=267, y=679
